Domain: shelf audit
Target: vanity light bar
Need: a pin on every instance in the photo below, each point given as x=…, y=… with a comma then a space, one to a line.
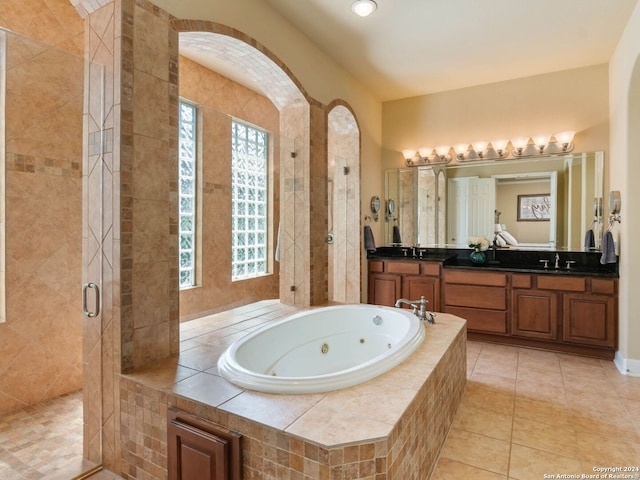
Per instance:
x=538, y=145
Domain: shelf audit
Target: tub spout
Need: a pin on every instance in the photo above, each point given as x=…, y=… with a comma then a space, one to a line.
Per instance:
x=419, y=308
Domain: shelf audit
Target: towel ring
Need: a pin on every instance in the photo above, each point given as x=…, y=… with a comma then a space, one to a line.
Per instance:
x=367, y=219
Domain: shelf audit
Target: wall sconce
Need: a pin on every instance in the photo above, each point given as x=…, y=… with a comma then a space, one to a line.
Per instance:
x=538, y=145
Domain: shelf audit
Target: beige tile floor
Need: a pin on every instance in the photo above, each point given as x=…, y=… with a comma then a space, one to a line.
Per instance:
x=525, y=413
x=38, y=441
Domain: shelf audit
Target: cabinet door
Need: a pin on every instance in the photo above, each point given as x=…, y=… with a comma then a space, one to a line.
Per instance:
x=429, y=287
x=194, y=454
x=589, y=319
x=534, y=314
x=384, y=289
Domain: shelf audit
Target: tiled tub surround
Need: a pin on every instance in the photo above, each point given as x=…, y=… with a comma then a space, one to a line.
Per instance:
x=391, y=427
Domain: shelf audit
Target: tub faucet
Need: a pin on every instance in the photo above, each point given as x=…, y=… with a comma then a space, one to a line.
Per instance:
x=419, y=308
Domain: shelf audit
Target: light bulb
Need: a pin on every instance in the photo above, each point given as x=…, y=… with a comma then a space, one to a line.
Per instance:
x=425, y=152
x=443, y=150
x=541, y=140
x=408, y=153
x=479, y=146
x=364, y=8
x=565, y=138
x=520, y=142
x=500, y=145
x=461, y=148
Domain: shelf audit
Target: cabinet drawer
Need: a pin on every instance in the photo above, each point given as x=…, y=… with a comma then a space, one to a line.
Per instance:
x=476, y=278
x=430, y=268
x=521, y=281
x=476, y=296
x=376, y=266
x=482, y=320
x=603, y=285
x=412, y=268
x=564, y=283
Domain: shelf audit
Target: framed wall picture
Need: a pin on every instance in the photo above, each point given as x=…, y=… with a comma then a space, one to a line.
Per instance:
x=534, y=208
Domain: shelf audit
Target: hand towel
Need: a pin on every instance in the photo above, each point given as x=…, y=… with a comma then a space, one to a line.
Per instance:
x=369, y=242
x=500, y=242
x=396, y=234
x=589, y=239
x=510, y=239
x=608, y=249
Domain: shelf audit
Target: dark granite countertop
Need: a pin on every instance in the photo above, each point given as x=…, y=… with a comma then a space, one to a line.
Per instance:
x=504, y=260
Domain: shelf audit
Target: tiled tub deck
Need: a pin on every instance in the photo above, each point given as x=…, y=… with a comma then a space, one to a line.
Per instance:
x=389, y=428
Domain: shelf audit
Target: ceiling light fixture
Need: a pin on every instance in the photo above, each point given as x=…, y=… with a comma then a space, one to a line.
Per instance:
x=364, y=8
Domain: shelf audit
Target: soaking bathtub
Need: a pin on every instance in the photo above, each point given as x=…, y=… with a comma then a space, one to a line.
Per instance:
x=322, y=349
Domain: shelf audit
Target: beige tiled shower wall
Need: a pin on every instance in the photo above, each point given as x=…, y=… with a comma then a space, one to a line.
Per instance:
x=343, y=140
x=41, y=340
x=294, y=234
x=220, y=100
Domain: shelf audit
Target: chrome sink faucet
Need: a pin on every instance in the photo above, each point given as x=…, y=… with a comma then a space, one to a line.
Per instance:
x=557, y=264
x=419, y=309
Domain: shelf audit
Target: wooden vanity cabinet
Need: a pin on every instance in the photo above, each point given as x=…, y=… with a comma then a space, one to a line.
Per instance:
x=480, y=297
x=384, y=288
x=426, y=284
x=534, y=313
x=588, y=308
x=590, y=319
x=390, y=280
x=570, y=313
x=571, y=310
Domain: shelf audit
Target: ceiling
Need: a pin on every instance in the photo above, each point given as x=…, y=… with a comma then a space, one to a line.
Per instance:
x=416, y=47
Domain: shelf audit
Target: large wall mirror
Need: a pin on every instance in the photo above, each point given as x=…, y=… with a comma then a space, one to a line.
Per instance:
x=541, y=202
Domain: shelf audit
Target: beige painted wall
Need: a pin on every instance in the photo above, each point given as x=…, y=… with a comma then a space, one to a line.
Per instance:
x=568, y=100
x=221, y=99
x=507, y=202
x=624, y=100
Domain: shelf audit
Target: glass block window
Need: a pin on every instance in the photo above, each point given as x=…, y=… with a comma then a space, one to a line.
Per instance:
x=249, y=161
x=187, y=194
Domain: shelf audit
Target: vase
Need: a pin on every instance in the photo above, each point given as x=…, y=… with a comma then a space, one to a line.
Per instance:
x=477, y=257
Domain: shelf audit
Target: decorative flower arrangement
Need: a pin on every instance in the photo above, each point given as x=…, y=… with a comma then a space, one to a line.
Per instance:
x=479, y=244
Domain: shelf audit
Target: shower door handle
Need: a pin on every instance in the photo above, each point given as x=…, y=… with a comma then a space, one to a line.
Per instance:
x=85, y=309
